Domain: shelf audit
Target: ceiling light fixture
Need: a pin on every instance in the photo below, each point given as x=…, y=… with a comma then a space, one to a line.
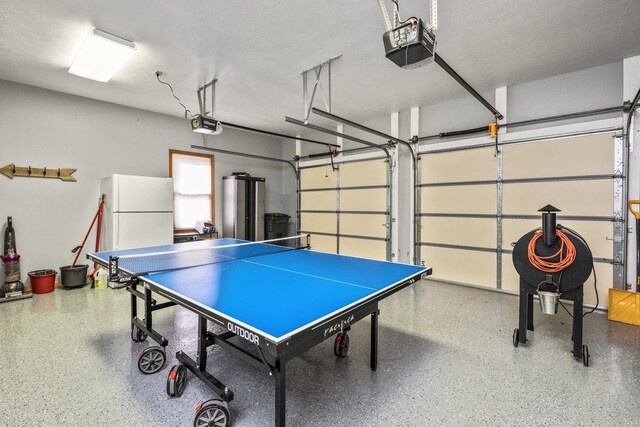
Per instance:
x=101, y=56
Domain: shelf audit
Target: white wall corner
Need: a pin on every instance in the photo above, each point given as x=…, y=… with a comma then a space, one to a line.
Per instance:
x=501, y=105
x=339, y=139
x=415, y=121
x=298, y=146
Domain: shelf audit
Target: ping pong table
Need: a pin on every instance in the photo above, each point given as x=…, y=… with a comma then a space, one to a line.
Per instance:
x=273, y=302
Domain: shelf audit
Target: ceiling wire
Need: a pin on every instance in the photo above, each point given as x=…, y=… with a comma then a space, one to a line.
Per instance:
x=186, y=110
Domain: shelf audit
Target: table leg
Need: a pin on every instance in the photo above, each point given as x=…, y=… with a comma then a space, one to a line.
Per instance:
x=524, y=316
x=577, y=327
x=148, y=318
x=281, y=391
x=374, y=340
x=202, y=344
x=134, y=304
x=530, y=312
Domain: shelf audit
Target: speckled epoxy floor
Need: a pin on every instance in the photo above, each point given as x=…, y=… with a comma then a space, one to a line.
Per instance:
x=445, y=358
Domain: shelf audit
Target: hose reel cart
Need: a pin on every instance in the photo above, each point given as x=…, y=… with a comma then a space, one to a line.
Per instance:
x=553, y=262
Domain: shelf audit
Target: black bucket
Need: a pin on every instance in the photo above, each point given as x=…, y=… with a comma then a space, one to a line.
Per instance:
x=73, y=277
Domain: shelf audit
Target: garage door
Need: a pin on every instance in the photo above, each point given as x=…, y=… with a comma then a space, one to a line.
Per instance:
x=475, y=204
x=346, y=208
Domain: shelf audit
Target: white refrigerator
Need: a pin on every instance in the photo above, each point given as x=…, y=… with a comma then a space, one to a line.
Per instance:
x=138, y=212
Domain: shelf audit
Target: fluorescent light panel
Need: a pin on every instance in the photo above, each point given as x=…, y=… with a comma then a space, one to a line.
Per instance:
x=101, y=56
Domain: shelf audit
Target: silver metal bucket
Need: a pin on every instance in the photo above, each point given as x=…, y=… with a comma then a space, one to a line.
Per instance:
x=549, y=300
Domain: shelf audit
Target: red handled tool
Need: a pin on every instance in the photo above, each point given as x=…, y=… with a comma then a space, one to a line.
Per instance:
x=78, y=249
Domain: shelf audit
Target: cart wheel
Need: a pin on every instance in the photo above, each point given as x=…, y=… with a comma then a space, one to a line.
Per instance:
x=212, y=413
x=137, y=335
x=336, y=344
x=151, y=360
x=176, y=380
x=516, y=337
x=585, y=355
x=341, y=345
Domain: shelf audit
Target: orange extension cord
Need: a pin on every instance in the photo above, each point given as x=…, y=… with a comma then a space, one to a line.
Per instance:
x=566, y=254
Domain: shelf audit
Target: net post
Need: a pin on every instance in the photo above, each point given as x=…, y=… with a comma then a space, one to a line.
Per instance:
x=113, y=267
x=308, y=241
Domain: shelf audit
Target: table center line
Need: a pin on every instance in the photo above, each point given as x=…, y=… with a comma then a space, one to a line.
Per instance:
x=309, y=275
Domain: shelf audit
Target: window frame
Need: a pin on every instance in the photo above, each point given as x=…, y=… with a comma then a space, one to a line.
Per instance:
x=211, y=159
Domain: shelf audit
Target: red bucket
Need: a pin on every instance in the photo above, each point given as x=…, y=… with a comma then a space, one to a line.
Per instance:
x=42, y=281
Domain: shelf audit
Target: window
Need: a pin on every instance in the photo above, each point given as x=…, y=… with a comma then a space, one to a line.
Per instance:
x=192, y=175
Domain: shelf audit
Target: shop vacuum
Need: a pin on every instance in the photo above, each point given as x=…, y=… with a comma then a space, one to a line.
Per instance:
x=553, y=262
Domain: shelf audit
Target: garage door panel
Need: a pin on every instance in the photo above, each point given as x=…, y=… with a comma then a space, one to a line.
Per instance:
x=320, y=222
x=474, y=268
x=364, y=200
x=462, y=199
x=319, y=200
x=584, y=155
x=356, y=174
x=322, y=243
x=363, y=225
x=595, y=233
x=604, y=273
x=374, y=249
x=320, y=177
x=469, y=165
x=510, y=279
x=459, y=231
x=571, y=197
x=511, y=282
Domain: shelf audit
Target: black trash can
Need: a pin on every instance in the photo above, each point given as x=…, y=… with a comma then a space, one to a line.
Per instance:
x=275, y=226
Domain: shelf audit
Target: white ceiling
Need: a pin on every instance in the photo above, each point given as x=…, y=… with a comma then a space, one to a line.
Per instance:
x=257, y=49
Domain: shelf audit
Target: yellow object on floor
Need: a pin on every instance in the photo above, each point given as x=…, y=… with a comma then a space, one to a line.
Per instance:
x=624, y=306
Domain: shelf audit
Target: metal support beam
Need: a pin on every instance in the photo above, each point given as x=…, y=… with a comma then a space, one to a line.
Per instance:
x=619, y=206
x=335, y=133
x=252, y=156
x=280, y=135
x=499, y=195
x=394, y=169
x=524, y=140
x=415, y=195
x=485, y=129
x=202, y=99
x=307, y=100
x=441, y=62
x=357, y=126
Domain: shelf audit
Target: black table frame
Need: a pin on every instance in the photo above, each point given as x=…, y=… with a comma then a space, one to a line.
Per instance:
x=269, y=356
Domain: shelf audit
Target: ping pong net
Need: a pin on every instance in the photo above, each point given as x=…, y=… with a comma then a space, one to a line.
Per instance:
x=198, y=255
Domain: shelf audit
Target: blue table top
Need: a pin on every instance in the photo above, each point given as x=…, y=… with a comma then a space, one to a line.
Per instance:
x=278, y=293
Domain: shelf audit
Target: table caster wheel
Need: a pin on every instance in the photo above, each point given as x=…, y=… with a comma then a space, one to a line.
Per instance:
x=137, y=335
x=516, y=337
x=213, y=412
x=585, y=355
x=341, y=345
x=151, y=360
x=176, y=380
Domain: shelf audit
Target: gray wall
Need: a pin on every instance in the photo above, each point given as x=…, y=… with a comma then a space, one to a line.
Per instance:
x=589, y=89
x=44, y=128
x=456, y=114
